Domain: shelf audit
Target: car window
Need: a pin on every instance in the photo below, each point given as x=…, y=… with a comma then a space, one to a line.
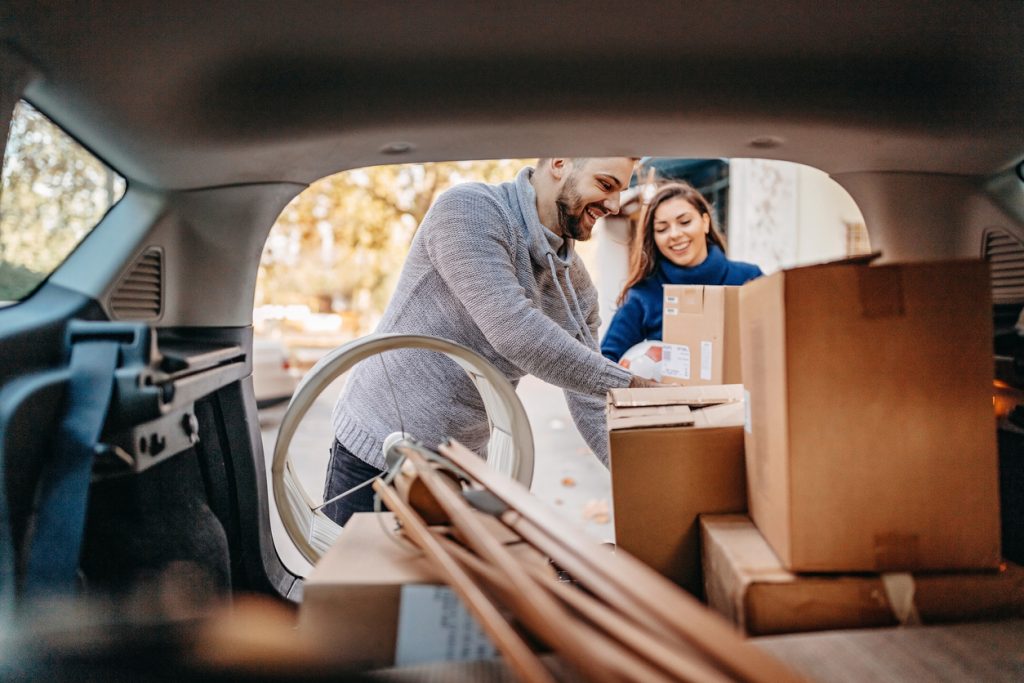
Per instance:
x=54, y=192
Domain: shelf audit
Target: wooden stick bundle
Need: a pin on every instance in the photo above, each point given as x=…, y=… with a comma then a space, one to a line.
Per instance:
x=520, y=657
x=620, y=622
x=669, y=661
x=598, y=658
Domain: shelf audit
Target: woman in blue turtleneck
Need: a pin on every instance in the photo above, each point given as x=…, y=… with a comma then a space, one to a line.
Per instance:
x=677, y=245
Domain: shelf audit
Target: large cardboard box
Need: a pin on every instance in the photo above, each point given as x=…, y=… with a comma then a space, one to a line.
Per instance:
x=746, y=582
x=870, y=438
x=669, y=463
x=700, y=335
x=374, y=601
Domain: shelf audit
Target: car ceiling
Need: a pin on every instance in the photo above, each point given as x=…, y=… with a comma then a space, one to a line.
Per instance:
x=237, y=92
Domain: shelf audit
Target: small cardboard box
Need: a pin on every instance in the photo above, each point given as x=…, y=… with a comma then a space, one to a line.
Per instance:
x=375, y=601
x=746, y=582
x=700, y=335
x=870, y=436
x=669, y=463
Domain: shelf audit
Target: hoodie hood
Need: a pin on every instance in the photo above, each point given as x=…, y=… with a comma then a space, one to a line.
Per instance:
x=552, y=251
x=541, y=240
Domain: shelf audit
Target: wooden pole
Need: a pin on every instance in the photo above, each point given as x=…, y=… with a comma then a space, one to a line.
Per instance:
x=521, y=658
x=649, y=648
x=533, y=606
x=687, y=618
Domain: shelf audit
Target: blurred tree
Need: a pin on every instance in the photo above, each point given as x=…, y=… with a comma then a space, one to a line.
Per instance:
x=344, y=239
x=53, y=193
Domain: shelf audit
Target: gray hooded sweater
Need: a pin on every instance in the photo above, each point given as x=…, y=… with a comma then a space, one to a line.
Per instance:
x=484, y=272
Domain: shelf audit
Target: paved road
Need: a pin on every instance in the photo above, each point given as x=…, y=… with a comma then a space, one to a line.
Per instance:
x=566, y=475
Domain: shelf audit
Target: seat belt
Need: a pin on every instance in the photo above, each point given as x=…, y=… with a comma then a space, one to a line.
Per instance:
x=56, y=540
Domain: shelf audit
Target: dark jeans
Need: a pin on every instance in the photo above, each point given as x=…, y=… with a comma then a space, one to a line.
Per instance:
x=343, y=472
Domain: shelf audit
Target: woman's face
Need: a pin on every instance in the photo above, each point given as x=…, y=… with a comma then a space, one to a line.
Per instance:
x=681, y=232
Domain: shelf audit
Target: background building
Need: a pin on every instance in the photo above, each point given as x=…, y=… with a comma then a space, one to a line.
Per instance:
x=776, y=214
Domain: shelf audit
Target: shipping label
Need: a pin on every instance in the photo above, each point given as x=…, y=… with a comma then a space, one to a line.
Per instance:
x=675, y=361
x=705, y=360
x=434, y=626
x=746, y=412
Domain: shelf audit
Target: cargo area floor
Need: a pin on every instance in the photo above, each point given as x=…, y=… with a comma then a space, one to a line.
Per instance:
x=986, y=651
x=983, y=651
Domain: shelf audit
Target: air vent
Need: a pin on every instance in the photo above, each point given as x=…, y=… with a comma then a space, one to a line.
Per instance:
x=139, y=295
x=1005, y=254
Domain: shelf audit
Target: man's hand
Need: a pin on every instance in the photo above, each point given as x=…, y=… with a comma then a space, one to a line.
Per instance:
x=638, y=382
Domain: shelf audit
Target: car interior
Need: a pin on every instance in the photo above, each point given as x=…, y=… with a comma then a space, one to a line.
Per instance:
x=218, y=115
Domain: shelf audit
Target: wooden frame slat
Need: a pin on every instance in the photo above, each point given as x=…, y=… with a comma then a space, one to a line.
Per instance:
x=713, y=636
x=520, y=657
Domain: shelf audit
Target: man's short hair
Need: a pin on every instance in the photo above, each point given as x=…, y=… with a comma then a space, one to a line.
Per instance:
x=576, y=160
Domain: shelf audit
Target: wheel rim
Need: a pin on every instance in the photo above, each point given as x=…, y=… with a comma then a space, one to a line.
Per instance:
x=510, y=449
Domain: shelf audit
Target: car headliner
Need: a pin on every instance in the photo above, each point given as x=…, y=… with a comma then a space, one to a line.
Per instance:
x=242, y=92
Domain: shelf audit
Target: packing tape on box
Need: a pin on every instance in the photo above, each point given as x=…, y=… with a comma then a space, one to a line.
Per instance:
x=899, y=591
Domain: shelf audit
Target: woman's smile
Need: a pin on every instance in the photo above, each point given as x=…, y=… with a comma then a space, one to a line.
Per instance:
x=681, y=247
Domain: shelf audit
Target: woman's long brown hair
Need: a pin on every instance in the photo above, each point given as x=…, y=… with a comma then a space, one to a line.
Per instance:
x=643, y=253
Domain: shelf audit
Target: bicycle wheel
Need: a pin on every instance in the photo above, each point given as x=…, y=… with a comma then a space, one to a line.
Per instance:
x=509, y=451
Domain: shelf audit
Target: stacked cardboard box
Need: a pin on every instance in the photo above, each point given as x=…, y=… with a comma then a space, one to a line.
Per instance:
x=870, y=447
x=870, y=442
x=746, y=582
x=700, y=335
x=675, y=453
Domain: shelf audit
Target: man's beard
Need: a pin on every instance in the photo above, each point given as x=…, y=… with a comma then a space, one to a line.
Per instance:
x=570, y=210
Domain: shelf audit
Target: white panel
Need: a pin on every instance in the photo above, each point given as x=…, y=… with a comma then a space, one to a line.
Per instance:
x=763, y=212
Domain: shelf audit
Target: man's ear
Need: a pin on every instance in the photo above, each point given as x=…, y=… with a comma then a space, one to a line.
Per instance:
x=559, y=167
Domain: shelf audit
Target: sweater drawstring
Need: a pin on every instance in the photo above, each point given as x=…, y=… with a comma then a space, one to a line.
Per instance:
x=579, y=312
x=583, y=331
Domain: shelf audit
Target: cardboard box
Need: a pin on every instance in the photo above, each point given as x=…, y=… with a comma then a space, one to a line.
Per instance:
x=746, y=582
x=700, y=335
x=870, y=439
x=666, y=471
x=373, y=602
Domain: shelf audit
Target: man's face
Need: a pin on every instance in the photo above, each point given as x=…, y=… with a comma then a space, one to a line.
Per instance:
x=591, y=191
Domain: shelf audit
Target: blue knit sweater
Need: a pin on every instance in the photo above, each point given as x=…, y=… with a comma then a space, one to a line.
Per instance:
x=639, y=317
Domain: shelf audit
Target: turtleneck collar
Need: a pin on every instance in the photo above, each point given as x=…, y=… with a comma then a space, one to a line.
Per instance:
x=711, y=271
x=541, y=240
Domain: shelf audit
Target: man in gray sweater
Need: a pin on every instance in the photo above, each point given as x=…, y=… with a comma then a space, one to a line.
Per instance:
x=493, y=268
